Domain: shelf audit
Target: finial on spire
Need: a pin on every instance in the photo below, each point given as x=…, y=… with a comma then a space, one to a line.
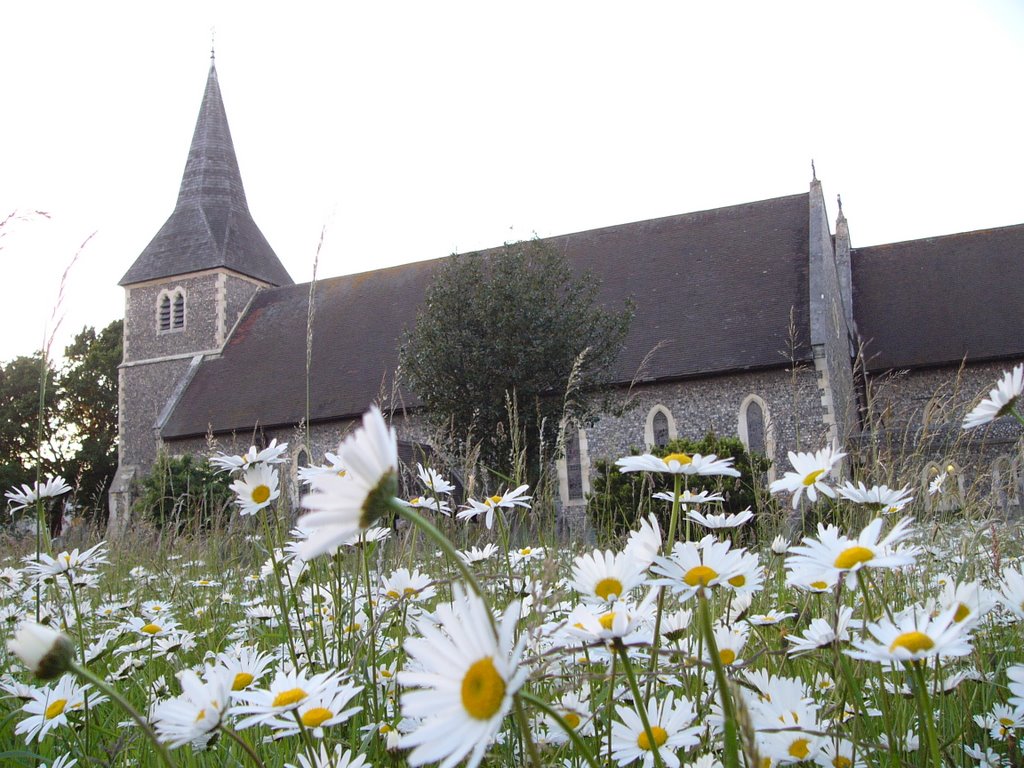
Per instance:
x=213, y=44
x=839, y=199
x=814, y=173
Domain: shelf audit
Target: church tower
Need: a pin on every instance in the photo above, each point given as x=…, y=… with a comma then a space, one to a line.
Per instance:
x=185, y=292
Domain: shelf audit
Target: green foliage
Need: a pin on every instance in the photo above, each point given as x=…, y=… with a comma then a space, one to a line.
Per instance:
x=619, y=499
x=183, y=492
x=20, y=451
x=504, y=331
x=79, y=429
x=88, y=406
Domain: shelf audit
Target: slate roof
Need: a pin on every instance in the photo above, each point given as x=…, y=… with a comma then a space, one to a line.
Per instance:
x=211, y=225
x=717, y=287
x=941, y=300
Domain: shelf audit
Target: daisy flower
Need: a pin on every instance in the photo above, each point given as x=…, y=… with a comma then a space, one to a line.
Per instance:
x=687, y=497
x=671, y=726
x=287, y=692
x=156, y=627
x=433, y=481
x=507, y=500
x=723, y=520
x=18, y=499
x=1001, y=400
x=342, y=505
x=272, y=454
x=912, y=636
x=625, y=621
x=1011, y=592
x=49, y=707
x=193, y=716
x=256, y=489
x=317, y=712
x=477, y=555
x=935, y=486
x=464, y=678
x=412, y=585
x=332, y=467
x=645, y=543
x=72, y=563
x=46, y=652
x=820, y=633
x=834, y=553
x=430, y=504
x=243, y=667
x=605, y=576
x=878, y=498
x=526, y=554
x=335, y=759
x=678, y=464
x=810, y=470
x=693, y=567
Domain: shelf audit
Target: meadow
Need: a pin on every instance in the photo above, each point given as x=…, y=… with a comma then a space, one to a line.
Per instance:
x=834, y=623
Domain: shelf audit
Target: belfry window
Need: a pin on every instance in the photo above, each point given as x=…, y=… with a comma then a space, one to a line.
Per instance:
x=171, y=311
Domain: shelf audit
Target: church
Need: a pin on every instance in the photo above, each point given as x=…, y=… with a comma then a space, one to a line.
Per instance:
x=758, y=320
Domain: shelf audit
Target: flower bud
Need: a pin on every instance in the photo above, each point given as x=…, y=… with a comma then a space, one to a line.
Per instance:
x=46, y=652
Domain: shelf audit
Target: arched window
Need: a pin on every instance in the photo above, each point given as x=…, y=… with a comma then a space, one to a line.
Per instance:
x=164, y=314
x=178, y=318
x=170, y=314
x=1006, y=483
x=660, y=428
x=755, y=428
x=574, y=468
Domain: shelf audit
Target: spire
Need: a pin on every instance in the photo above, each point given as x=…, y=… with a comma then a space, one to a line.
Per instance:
x=211, y=225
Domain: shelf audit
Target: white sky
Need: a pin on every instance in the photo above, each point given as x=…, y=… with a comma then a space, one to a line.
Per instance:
x=411, y=130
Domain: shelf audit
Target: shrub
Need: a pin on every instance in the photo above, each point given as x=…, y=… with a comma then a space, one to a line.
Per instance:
x=618, y=500
x=183, y=493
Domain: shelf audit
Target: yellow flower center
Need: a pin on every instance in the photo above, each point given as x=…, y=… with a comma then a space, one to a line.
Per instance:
x=55, y=708
x=289, y=697
x=572, y=720
x=260, y=494
x=151, y=629
x=812, y=478
x=738, y=581
x=241, y=681
x=607, y=587
x=607, y=620
x=962, y=612
x=1005, y=721
x=493, y=500
x=385, y=729
x=659, y=734
x=841, y=762
x=525, y=551
x=818, y=585
x=385, y=673
x=800, y=749
x=915, y=642
x=681, y=458
x=408, y=591
x=393, y=594
x=699, y=576
x=852, y=556
x=414, y=501
x=313, y=717
x=727, y=655
x=483, y=689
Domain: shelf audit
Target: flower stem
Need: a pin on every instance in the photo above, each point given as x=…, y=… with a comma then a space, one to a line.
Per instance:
x=115, y=695
x=732, y=755
x=554, y=714
x=245, y=745
x=924, y=710
x=639, y=701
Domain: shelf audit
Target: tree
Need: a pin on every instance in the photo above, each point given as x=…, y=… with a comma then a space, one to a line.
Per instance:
x=19, y=421
x=88, y=385
x=503, y=331
x=79, y=429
